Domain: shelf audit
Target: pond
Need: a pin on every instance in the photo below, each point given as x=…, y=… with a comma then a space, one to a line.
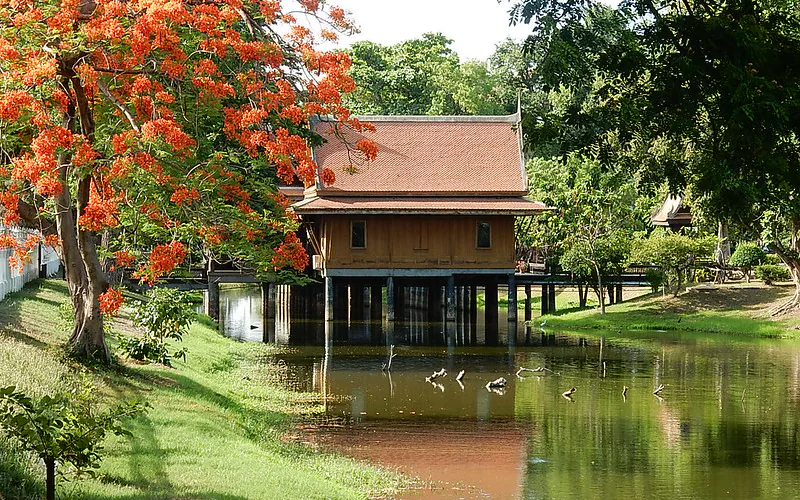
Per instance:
x=724, y=425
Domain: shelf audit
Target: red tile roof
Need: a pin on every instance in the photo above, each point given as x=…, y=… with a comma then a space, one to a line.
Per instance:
x=473, y=205
x=429, y=155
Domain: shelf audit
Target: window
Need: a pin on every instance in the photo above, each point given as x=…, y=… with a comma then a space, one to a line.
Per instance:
x=421, y=242
x=484, y=235
x=358, y=234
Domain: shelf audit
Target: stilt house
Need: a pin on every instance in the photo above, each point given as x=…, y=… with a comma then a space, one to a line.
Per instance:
x=435, y=210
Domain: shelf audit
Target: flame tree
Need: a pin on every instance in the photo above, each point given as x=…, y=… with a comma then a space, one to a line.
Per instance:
x=160, y=125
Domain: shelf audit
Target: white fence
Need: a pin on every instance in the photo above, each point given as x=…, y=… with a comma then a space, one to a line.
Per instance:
x=43, y=258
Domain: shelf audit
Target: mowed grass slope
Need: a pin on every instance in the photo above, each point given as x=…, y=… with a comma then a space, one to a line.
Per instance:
x=737, y=309
x=216, y=429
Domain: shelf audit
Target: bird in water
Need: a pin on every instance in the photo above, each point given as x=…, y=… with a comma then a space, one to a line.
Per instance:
x=568, y=394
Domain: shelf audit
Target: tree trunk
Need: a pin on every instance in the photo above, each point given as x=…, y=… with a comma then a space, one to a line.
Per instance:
x=600, y=290
x=583, y=292
x=50, y=485
x=793, y=264
x=82, y=268
x=723, y=251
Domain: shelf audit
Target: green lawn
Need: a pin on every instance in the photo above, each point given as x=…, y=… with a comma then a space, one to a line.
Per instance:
x=724, y=309
x=216, y=430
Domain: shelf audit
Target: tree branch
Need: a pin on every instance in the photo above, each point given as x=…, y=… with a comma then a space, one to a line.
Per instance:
x=119, y=104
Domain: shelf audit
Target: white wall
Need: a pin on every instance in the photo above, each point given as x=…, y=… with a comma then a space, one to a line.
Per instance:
x=12, y=279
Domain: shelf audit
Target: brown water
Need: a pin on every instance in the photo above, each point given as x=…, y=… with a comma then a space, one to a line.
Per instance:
x=726, y=425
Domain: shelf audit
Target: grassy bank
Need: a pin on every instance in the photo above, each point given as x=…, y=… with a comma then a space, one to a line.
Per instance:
x=736, y=309
x=216, y=429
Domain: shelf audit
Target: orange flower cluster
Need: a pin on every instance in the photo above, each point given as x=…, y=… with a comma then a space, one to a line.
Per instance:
x=111, y=301
x=124, y=258
x=102, y=211
x=290, y=253
x=163, y=260
x=367, y=148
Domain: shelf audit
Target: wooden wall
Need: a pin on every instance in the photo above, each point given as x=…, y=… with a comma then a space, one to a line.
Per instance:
x=425, y=242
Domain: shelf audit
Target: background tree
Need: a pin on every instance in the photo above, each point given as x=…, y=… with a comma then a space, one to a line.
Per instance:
x=747, y=256
x=590, y=229
x=674, y=253
x=422, y=76
x=160, y=126
x=703, y=95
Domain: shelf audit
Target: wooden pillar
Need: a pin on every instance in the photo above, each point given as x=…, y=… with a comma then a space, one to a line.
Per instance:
x=491, y=314
x=512, y=309
x=329, y=316
x=400, y=302
x=460, y=315
x=390, y=306
x=340, y=311
x=545, y=299
x=212, y=306
x=268, y=312
x=619, y=293
x=551, y=299
x=528, y=311
x=375, y=312
x=473, y=315
x=357, y=303
x=435, y=304
x=450, y=319
x=610, y=289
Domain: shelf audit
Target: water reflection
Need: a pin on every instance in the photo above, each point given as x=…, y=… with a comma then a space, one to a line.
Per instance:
x=726, y=423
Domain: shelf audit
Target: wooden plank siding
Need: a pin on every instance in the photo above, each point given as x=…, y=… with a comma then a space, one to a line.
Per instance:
x=424, y=242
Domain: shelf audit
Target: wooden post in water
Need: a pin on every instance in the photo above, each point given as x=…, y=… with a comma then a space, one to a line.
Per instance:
x=375, y=312
x=390, y=298
x=329, y=317
x=450, y=327
x=492, y=331
x=512, y=309
x=268, y=312
x=545, y=299
x=473, y=315
x=212, y=305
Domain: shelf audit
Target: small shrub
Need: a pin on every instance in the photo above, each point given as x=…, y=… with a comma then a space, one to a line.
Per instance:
x=702, y=276
x=771, y=258
x=165, y=316
x=63, y=429
x=770, y=273
x=655, y=278
x=746, y=256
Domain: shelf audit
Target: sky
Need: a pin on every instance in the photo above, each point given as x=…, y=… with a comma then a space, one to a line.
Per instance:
x=475, y=26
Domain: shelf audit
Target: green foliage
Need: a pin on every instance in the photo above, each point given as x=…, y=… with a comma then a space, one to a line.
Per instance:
x=590, y=229
x=770, y=273
x=771, y=258
x=701, y=96
x=421, y=76
x=64, y=429
x=655, y=278
x=674, y=253
x=746, y=256
x=165, y=316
